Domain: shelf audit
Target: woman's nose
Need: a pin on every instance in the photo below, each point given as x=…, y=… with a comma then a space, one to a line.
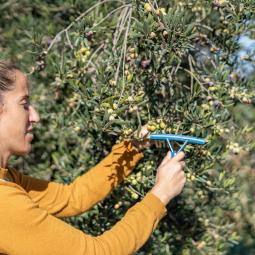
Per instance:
x=33, y=115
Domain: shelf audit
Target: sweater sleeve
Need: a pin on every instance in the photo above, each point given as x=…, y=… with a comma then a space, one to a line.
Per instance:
x=28, y=229
x=85, y=191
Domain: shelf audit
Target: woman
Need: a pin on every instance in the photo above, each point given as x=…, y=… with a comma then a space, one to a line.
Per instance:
x=30, y=208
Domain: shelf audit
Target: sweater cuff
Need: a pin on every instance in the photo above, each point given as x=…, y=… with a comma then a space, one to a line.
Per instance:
x=155, y=204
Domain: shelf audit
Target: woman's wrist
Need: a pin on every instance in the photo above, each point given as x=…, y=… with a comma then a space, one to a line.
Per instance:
x=164, y=199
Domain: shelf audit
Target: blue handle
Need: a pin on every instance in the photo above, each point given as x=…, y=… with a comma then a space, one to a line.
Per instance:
x=178, y=138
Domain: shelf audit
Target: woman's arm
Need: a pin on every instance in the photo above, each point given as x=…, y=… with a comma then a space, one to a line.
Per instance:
x=85, y=191
x=28, y=229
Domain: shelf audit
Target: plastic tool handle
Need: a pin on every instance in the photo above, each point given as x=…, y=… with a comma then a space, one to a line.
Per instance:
x=173, y=152
x=177, y=138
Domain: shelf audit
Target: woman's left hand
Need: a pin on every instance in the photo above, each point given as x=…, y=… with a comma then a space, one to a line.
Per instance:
x=142, y=141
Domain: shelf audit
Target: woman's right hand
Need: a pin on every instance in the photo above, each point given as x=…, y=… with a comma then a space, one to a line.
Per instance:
x=170, y=178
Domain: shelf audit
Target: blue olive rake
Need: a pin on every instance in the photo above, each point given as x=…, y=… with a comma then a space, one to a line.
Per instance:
x=177, y=138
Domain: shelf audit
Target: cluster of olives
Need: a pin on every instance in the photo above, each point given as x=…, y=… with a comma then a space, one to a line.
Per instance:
x=82, y=54
x=243, y=96
x=159, y=124
x=234, y=147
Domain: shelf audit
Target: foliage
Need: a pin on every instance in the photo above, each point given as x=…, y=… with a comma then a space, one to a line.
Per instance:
x=116, y=65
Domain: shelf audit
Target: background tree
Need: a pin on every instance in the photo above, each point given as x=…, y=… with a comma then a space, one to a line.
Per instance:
x=103, y=69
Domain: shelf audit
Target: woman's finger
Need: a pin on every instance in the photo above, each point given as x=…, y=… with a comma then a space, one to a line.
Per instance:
x=179, y=156
x=166, y=158
x=182, y=163
x=159, y=144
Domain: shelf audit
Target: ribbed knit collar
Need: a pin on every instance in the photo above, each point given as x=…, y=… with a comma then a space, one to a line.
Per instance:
x=3, y=172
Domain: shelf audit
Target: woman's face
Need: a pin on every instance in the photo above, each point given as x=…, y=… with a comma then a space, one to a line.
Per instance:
x=16, y=118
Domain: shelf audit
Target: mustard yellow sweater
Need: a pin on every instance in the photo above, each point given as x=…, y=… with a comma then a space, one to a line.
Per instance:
x=30, y=210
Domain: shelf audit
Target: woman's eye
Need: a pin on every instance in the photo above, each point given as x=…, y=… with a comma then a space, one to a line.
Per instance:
x=26, y=105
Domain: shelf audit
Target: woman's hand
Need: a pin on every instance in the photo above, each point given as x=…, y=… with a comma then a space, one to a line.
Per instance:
x=141, y=142
x=170, y=178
